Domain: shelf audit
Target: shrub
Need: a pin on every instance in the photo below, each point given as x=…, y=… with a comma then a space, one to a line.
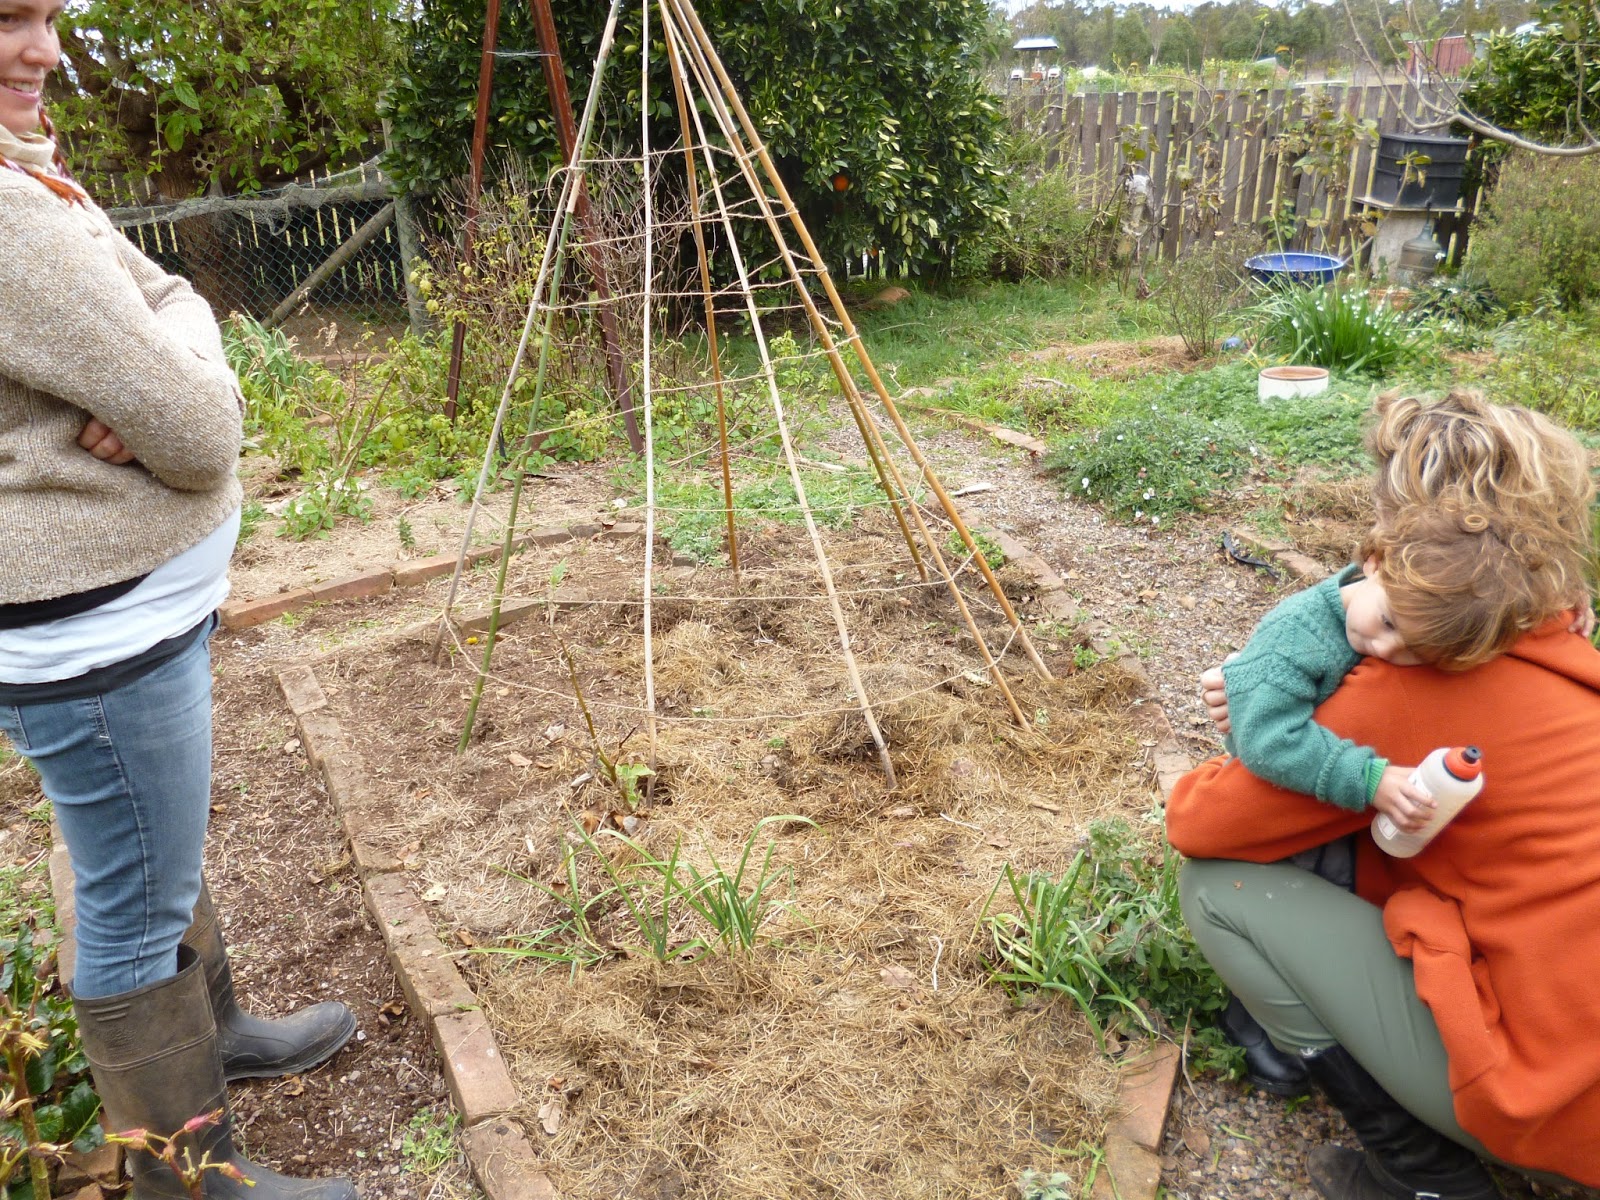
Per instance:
x=1538, y=236
x=1203, y=285
x=1055, y=229
x=1335, y=327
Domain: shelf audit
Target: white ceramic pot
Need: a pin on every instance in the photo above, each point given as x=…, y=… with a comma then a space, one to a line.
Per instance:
x=1279, y=383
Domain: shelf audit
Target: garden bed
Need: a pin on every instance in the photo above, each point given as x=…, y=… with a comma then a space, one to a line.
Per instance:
x=855, y=1048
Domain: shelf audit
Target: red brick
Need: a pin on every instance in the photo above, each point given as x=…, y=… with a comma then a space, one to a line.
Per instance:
x=420, y=570
x=320, y=736
x=301, y=689
x=504, y=1163
x=1144, y=1089
x=66, y=906
x=550, y=535
x=356, y=587
x=476, y=1073
x=1127, y=1172
x=423, y=964
x=242, y=614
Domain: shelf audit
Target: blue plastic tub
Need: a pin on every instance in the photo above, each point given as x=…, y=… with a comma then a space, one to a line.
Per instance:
x=1294, y=268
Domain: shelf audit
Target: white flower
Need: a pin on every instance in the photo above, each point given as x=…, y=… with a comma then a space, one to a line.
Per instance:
x=1149, y=493
x=1119, y=437
x=1154, y=520
x=1086, y=483
x=1138, y=514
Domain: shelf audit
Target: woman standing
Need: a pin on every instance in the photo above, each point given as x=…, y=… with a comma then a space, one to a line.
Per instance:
x=119, y=509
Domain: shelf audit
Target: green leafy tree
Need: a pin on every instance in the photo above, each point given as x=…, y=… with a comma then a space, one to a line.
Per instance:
x=220, y=95
x=876, y=111
x=1130, y=41
x=1180, y=45
x=1541, y=87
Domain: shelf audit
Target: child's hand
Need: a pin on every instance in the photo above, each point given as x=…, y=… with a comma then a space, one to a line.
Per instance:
x=1214, y=695
x=1583, y=624
x=1409, y=806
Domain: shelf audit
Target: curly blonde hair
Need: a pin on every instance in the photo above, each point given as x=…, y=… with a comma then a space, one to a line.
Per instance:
x=1499, y=459
x=1465, y=581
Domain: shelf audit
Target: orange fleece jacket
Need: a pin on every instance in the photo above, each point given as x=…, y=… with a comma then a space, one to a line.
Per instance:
x=1500, y=914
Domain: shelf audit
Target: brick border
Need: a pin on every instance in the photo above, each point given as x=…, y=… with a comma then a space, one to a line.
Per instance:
x=499, y=1154
x=242, y=614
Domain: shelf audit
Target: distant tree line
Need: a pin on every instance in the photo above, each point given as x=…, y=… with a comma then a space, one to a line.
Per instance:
x=1122, y=35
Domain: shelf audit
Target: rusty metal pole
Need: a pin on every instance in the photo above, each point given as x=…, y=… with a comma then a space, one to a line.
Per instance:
x=555, y=78
x=480, y=134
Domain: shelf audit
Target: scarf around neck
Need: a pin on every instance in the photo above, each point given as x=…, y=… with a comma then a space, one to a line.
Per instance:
x=35, y=154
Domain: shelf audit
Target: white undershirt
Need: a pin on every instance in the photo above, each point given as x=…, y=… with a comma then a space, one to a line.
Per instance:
x=173, y=598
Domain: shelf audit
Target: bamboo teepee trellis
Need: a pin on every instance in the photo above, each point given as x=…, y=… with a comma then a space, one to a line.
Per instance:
x=702, y=85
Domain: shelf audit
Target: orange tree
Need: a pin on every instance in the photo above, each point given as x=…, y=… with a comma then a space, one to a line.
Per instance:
x=887, y=94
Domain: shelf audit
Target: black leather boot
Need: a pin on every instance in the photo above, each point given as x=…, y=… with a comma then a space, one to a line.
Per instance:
x=253, y=1047
x=153, y=1055
x=1404, y=1159
x=1267, y=1067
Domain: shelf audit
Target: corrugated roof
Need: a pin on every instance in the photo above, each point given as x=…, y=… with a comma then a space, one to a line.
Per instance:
x=1037, y=43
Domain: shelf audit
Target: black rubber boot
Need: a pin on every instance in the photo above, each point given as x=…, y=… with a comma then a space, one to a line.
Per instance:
x=153, y=1055
x=253, y=1047
x=1267, y=1067
x=1404, y=1159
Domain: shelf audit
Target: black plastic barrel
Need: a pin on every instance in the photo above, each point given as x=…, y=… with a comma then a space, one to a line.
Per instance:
x=1441, y=176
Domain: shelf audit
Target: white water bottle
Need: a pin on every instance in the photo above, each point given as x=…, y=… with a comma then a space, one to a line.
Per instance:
x=1452, y=775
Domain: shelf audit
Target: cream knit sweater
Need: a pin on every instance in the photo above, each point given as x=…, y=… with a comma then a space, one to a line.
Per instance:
x=91, y=327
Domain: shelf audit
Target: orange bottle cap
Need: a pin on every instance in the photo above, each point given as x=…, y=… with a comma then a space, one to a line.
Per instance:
x=1464, y=762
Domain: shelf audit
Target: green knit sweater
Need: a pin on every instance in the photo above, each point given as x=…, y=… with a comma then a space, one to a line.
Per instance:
x=1293, y=662
x=92, y=327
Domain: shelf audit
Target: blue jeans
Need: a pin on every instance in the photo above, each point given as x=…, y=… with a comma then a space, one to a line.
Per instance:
x=129, y=773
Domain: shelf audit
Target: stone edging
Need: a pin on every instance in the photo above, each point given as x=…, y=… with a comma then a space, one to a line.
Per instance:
x=242, y=614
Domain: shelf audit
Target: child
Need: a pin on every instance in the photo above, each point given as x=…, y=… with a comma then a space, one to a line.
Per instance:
x=1450, y=584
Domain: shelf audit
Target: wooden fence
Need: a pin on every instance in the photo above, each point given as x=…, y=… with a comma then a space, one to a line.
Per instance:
x=1218, y=160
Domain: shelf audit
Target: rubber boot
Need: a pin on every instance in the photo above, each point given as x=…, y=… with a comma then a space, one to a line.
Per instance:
x=153, y=1055
x=1267, y=1067
x=253, y=1047
x=1404, y=1159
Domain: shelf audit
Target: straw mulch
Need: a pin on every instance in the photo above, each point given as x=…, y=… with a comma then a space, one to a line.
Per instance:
x=858, y=1050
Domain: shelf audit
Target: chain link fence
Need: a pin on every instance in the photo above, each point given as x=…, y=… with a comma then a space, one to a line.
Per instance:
x=324, y=259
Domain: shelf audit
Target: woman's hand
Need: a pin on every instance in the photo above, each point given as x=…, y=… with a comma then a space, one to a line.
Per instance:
x=1214, y=695
x=98, y=439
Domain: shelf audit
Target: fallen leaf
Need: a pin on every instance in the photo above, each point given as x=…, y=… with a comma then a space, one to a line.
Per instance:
x=291, y=746
x=903, y=812
x=544, y=764
x=1187, y=601
x=580, y=780
x=553, y=732
x=977, y=678
x=973, y=489
x=898, y=977
x=551, y=1112
x=631, y=824
x=591, y=820
x=998, y=840
x=1149, y=594
x=434, y=894
x=517, y=760
x=465, y=937
x=1198, y=1141
x=293, y=1086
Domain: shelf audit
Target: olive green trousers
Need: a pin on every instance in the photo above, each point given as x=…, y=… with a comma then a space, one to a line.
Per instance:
x=1311, y=963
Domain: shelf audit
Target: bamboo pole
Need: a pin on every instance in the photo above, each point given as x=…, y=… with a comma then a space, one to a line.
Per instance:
x=680, y=90
x=555, y=241
x=848, y=382
x=687, y=13
x=791, y=457
x=649, y=394
x=857, y=405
